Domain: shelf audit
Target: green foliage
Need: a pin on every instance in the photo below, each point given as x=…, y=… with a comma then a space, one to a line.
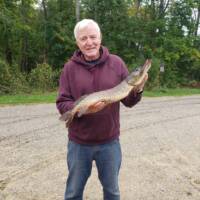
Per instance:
x=11, y=79
x=59, y=39
x=18, y=80
x=56, y=77
x=5, y=77
x=41, y=77
x=134, y=30
x=154, y=74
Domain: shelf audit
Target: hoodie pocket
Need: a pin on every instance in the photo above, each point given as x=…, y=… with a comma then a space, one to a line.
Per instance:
x=94, y=127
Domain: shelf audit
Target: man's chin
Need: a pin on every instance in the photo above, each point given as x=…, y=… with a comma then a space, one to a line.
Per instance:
x=91, y=53
x=92, y=56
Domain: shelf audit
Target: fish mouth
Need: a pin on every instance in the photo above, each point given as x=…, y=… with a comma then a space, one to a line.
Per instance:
x=137, y=76
x=146, y=66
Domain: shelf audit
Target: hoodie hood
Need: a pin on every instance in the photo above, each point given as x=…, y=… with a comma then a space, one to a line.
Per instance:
x=78, y=58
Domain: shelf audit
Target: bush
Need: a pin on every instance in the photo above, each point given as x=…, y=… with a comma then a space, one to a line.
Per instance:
x=5, y=77
x=170, y=77
x=19, y=81
x=154, y=79
x=41, y=78
x=11, y=79
x=56, y=77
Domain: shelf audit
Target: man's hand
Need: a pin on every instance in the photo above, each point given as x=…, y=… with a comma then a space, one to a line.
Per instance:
x=140, y=87
x=97, y=107
x=92, y=109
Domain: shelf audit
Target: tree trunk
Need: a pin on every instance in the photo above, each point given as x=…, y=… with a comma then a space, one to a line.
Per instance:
x=137, y=6
x=197, y=22
x=44, y=9
x=24, y=59
x=24, y=42
x=45, y=31
x=153, y=9
x=77, y=10
x=8, y=51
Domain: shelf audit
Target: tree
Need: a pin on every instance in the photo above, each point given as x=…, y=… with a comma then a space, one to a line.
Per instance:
x=59, y=31
x=77, y=10
x=8, y=19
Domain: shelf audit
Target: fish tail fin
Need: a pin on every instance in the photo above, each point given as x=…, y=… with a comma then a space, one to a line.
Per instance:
x=67, y=117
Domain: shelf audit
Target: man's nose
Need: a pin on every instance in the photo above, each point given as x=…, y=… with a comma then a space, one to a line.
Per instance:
x=89, y=41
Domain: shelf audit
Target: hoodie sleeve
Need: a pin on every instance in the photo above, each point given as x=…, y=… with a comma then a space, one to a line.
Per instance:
x=64, y=100
x=133, y=98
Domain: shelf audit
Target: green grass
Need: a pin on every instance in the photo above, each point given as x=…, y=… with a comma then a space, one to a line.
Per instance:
x=172, y=92
x=28, y=98
x=50, y=97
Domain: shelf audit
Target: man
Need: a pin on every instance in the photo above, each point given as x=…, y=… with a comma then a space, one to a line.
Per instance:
x=93, y=136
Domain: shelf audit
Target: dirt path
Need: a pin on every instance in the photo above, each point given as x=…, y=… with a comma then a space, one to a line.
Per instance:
x=160, y=140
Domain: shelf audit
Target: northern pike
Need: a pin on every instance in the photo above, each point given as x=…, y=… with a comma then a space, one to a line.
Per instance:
x=84, y=104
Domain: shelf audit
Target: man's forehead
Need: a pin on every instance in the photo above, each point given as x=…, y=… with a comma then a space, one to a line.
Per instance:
x=89, y=29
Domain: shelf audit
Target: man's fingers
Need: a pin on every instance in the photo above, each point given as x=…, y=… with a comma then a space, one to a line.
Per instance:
x=97, y=106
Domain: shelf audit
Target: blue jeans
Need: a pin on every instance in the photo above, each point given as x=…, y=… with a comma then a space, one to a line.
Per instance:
x=79, y=160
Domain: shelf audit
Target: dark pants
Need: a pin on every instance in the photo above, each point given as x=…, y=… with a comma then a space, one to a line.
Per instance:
x=79, y=159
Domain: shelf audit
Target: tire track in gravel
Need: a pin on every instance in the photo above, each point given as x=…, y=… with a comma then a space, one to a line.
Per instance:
x=18, y=175
x=145, y=125
x=36, y=165
x=138, y=112
x=28, y=118
x=197, y=98
x=160, y=106
x=149, y=105
x=26, y=136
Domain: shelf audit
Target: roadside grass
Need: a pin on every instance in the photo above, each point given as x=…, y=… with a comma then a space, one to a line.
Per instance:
x=39, y=97
x=172, y=92
x=50, y=97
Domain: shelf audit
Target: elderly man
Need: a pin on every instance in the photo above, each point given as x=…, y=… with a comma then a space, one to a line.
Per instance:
x=93, y=137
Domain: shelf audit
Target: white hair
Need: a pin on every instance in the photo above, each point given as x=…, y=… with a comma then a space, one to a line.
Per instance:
x=85, y=23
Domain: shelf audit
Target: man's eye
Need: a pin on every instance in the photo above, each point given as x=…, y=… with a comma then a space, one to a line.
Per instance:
x=93, y=37
x=83, y=38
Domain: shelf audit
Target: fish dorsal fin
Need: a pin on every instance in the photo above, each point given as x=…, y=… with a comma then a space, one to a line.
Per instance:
x=80, y=99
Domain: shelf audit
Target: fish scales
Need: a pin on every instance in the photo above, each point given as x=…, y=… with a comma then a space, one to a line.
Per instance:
x=108, y=96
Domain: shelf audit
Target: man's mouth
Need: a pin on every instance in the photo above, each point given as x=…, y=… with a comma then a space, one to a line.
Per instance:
x=90, y=49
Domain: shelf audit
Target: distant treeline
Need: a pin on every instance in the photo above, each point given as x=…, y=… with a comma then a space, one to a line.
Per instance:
x=36, y=39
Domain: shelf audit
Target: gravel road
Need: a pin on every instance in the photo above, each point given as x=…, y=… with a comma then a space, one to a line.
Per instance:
x=160, y=140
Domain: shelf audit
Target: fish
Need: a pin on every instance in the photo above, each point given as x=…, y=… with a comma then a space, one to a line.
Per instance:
x=84, y=104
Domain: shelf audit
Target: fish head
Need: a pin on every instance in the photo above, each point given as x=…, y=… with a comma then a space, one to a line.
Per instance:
x=138, y=74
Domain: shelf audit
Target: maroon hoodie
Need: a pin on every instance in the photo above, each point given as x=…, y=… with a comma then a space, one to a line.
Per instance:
x=79, y=78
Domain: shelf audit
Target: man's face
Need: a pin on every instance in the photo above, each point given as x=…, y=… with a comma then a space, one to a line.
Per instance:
x=89, y=41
